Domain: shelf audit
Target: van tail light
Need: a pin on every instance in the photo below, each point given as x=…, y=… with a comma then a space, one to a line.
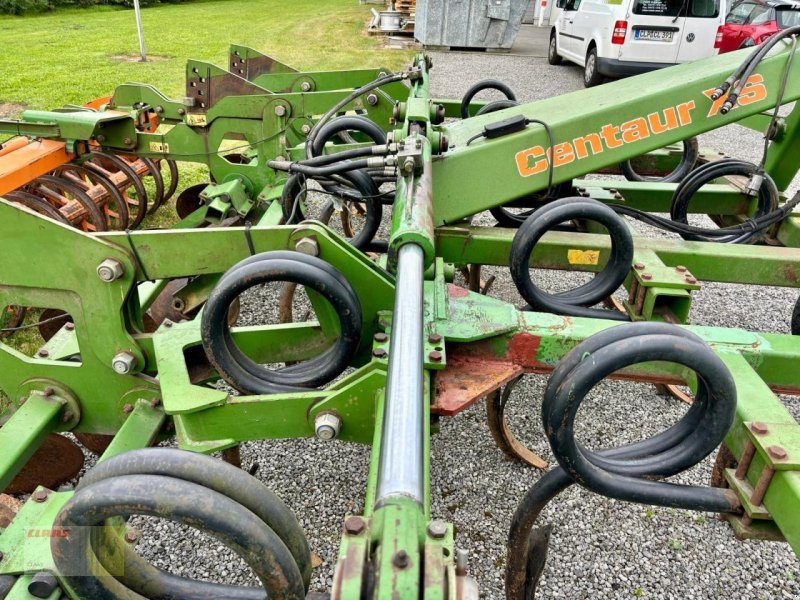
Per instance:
x=718, y=39
x=620, y=29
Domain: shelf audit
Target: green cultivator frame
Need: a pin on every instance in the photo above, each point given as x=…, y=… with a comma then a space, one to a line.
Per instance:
x=140, y=330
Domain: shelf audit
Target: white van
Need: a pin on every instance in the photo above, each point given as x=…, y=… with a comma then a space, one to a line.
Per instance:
x=616, y=38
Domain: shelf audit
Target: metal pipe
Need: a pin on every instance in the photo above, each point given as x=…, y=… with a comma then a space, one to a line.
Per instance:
x=138, y=13
x=401, y=466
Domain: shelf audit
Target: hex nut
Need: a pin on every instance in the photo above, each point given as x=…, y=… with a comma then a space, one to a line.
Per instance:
x=777, y=452
x=354, y=525
x=437, y=529
x=123, y=363
x=372, y=99
x=110, y=270
x=280, y=110
x=306, y=129
x=327, y=425
x=435, y=356
x=131, y=536
x=306, y=86
x=401, y=559
x=307, y=245
x=380, y=337
x=39, y=495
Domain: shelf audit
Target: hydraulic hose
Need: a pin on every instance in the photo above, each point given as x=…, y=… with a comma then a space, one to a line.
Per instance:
x=628, y=472
x=606, y=282
x=325, y=170
x=691, y=150
x=242, y=372
x=364, y=191
x=768, y=197
x=161, y=483
x=486, y=84
x=495, y=106
x=347, y=123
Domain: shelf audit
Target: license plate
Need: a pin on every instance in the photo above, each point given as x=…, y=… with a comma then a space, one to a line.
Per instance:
x=654, y=35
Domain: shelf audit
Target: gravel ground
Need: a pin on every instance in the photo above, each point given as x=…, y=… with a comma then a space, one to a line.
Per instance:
x=600, y=548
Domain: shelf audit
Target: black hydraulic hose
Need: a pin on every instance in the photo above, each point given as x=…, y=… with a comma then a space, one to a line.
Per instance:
x=327, y=159
x=347, y=123
x=381, y=81
x=218, y=476
x=627, y=472
x=691, y=150
x=242, y=372
x=363, y=191
x=179, y=501
x=486, y=84
x=323, y=171
x=768, y=197
x=495, y=106
x=606, y=282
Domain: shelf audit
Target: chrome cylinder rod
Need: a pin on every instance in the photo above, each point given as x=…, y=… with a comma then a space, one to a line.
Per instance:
x=401, y=465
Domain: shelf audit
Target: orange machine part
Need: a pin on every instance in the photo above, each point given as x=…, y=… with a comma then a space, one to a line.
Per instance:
x=26, y=162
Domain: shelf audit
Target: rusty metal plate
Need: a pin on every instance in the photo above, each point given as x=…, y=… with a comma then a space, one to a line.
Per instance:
x=57, y=461
x=95, y=442
x=468, y=379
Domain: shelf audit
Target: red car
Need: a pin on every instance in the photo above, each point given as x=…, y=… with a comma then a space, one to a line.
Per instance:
x=751, y=22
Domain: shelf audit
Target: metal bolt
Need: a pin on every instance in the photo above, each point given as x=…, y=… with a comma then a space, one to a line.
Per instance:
x=691, y=280
x=181, y=111
x=127, y=141
x=379, y=353
x=39, y=496
x=48, y=392
x=307, y=245
x=647, y=276
x=167, y=323
x=759, y=428
x=380, y=337
x=680, y=269
x=67, y=417
x=42, y=585
x=777, y=452
x=638, y=266
x=43, y=353
x=131, y=536
x=306, y=86
x=123, y=363
x=435, y=356
x=444, y=144
x=280, y=110
x=110, y=270
x=372, y=99
x=306, y=129
x=434, y=338
x=437, y=529
x=400, y=559
x=408, y=165
x=354, y=525
x=327, y=425
x=70, y=326
x=127, y=409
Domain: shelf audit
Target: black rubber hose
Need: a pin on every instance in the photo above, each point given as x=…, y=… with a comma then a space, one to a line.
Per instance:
x=216, y=475
x=364, y=192
x=507, y=218
x=691, y=150
x=606, y=282
x=347, y=123
x=338, y=168
x=495, y=106
x=623, y=470
x=179, y=501
x=795, y=323
x=767, y=202
x=242, y=372
x=486, y=84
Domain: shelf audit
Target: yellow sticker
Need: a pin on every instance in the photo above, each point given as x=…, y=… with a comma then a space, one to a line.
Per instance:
x=197, y=120
x=159, y=147
x=583, y=257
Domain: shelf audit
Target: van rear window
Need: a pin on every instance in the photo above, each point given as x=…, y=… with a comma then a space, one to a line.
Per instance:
x=698, y=9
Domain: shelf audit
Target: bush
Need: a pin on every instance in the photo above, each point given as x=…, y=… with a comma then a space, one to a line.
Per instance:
x=18, y=7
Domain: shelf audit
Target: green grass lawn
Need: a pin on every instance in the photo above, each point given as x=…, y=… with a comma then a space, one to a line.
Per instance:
x=68, y=56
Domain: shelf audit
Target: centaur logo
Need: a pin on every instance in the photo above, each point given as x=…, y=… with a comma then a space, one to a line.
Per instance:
x=537, y=160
